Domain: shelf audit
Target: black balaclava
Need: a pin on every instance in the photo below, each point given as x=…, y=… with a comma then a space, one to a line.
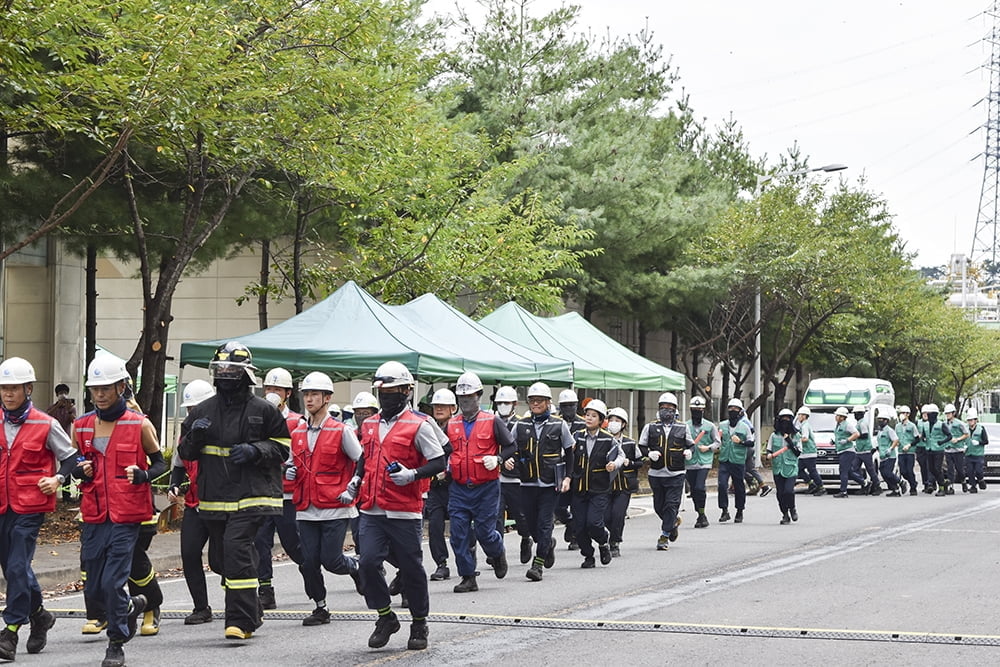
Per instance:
x=229, y=389
x=697, y=414
x=568, y=411
x=667, y=414
x=392, y=404
x=734, y=417
x=784, y=426
x=113, y=413
x=931, y=418
x=469, y=405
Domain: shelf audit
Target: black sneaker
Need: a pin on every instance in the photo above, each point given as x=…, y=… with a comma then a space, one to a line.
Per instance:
x=534, y=573
x=819, y=492
x=396, y=585
x=385, y=627
x=319, y=616
x=8, y=644
x=588, y=563
x=266, y=596
x=842, y=494
x=913, y=492
x=573, y=546
x=467, y=585
x=114, y=656
x=199, y=616
x=418, y=636
x=615, y=551
x=794, y=514
x=355, y=575
x=605, y=553
x=982, y=486
x=41, y=622
x=739, y=517
x=973, y=489
x=136, y=606
x=526, y=544
x=500, y=565
x=893, y=494
x=785, y=520
x=673, y=531
x=702, y=521
x=725, y=516
x=550, y=559
x=662, y=543
x=764, y=490
x=441, y=573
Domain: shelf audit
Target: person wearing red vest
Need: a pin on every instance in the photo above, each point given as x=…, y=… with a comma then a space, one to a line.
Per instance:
x=479, y=441
x=194, y=532
x=403, y=449
x=120, y=455
x=323, y=473
x=278, y=391
x=30, y=444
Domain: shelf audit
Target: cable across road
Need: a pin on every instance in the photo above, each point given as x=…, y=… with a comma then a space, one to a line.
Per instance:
x=572, y=624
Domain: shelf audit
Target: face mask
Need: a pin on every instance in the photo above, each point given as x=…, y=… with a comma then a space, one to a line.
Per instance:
x=469, y=405
x=932, y=418
x=272, y=398
x=229, y=386
x=615, y=427
x=392, y=404
x=666, y=414
x=784, y=426
x=567, y=411
x=734, y=417
x=505, y=409
x=697, y=416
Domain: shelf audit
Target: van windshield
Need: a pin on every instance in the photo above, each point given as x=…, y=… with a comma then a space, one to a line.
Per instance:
x=822, y=421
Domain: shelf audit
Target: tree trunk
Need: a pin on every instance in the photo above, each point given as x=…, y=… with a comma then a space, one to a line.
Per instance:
x=265, y=279
x=640, y=408
x=725, y=391
x=674, y=343
x=301, y=218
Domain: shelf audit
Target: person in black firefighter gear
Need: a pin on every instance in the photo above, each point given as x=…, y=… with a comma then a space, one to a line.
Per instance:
x=240, y=443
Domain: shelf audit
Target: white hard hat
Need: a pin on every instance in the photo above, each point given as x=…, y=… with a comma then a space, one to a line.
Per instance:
x=804, y=411
x=468, y=383
x=859, y=408
x=16, y=371
x=697, y=402
x=540, y=389
x=617, y=412
x=972, y=413
x=885, y=412
x=278, y=377
x=735, y=403
x=785, y=412
x=598, y=406
x=105, y=369
x=392, y=374
x=950, y=407
x=842, y=412
x=316, y=381
x=333, y=409
x=930, y=407
x=667, y=397
x=444, y=397
x=505, y=395
x=568, y=396
x=364, y=399
x=195, y=392
x=903, y=409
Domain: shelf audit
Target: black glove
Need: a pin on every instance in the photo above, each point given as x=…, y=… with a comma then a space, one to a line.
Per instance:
x=199, y=430
x=78, y=472
x=243, y=454
x=140, y=476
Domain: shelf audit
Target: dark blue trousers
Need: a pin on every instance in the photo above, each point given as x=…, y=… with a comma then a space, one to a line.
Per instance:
x=846, y=461
x=472, y=513
x=732, y=472
x=588, y=519
x=323, y=545
x=380, y=534
x=18, y=537
x=538, y=503
x=106, y=551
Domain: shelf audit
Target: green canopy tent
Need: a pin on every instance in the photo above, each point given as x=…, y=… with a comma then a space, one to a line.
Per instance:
x=350, y=333
x=599, y=362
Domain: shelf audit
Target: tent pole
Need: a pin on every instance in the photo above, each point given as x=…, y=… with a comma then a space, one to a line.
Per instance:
x=178, y=399
x=631, y=407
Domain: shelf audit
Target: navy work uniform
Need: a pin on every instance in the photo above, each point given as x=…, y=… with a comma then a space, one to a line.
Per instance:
x=667, y=444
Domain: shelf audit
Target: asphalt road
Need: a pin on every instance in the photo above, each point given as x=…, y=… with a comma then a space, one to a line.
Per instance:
x=860, y=581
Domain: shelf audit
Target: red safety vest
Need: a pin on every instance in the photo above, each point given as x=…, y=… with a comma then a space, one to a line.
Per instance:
x=376, y=487
x=467, y=453
x=109, y=494
x=324, y=472
x=26, y=461
x=191, y=497
x=292, y=421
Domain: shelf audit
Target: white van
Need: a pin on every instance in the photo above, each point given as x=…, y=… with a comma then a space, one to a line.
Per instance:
x=824, y=396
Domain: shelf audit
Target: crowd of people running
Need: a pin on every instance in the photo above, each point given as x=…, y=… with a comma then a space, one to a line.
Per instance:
x=248, y=468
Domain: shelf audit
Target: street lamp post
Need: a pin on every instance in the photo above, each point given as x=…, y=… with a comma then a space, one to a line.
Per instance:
x=761, y=181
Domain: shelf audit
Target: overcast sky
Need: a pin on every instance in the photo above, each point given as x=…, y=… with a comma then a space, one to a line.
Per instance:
x=895, y=90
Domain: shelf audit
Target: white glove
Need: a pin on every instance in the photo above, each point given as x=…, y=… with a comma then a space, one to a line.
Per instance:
x=291, y=472
x=654, y=455
x=404, y=476
x=347, y=497
x=491, y=462
x=687, y=454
